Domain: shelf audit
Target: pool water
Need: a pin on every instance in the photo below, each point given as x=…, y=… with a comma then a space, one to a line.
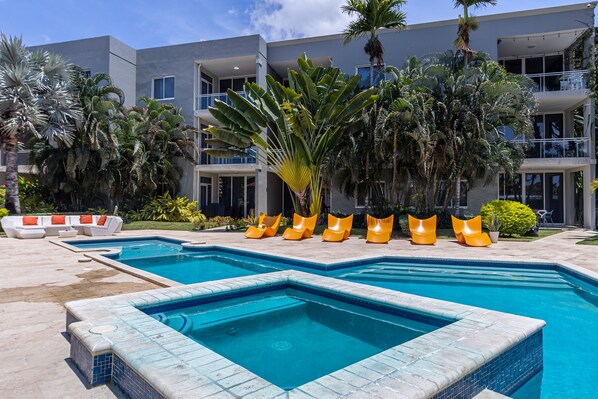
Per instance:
x=130, y=249
x=289, y=337
x=569, y=306
x=187, y=268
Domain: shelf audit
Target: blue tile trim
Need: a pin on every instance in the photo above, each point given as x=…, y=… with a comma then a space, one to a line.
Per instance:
x=504, y=374
x=369, y=304
x=97, y=369
x=130, y=383
x=373, y=305
x=111, y=240
x=174, y=305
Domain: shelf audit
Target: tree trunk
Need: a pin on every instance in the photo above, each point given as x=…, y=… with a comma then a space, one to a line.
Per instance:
x=457, y=197
x=395, y=151
x=304, y=209
x=371, y=72
x=12, y=176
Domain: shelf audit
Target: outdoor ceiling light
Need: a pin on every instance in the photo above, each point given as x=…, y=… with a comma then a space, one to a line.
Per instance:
x=236, y=68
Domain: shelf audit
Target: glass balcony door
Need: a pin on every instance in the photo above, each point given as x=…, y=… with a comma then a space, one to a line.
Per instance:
x=553, y=196
x=236, y=195
x=540, y=191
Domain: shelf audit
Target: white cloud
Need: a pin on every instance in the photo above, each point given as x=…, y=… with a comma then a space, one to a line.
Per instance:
x=46, y=38
x=288, y=19
x=232, y=11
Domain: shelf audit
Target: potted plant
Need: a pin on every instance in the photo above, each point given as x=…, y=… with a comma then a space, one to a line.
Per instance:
x=494, y=227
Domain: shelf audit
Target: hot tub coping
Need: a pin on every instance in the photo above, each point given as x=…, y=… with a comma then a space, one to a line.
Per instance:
x=173, y=365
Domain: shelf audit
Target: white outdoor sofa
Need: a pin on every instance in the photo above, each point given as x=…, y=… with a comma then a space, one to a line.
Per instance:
x=14, y=228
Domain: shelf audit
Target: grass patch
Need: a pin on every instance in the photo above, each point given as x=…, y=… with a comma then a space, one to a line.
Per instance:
x=589, y=241
x=152, y=225
x=542, y=233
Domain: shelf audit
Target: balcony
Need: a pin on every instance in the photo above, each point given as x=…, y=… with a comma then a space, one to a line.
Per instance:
x=558, y=148
x=204, y=101
x=560, y=81
x=205, y=159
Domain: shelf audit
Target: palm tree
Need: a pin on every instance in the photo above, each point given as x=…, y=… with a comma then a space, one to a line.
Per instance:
x=153, y=140
x=474, y=104
x=305, y=122
x=468, y=23
x=81, y=171
x=34, y=100
x=373, y=15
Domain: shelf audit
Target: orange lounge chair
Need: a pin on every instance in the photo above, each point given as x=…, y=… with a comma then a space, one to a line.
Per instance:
x=470, y=232
x=267, y=227
x=302, y=227
x=423, y=231
x=379, y=230
x=338, y=229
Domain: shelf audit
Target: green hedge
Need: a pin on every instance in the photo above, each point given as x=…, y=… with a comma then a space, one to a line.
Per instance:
x=515, y=217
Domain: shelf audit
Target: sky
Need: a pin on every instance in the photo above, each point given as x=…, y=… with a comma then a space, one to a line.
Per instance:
x=151, y=23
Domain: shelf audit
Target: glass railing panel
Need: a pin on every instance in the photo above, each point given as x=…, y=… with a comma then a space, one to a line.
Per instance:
x=558, y=148
x=239, y=160
x=207, y=100
x=205, y=159
x=560, y=81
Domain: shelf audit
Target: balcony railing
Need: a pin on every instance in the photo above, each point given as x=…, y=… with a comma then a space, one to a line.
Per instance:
x=205, y=159
x=207, y=100
x=560, y=81
x=558, y=148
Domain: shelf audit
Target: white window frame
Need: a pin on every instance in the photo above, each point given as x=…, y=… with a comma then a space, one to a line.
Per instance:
x=163, y=78
x=522, y=59
x=245, y=77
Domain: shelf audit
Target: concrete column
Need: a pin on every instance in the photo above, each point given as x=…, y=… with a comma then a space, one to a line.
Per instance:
x=589, y=202
x=261, y=178
x=569, y=194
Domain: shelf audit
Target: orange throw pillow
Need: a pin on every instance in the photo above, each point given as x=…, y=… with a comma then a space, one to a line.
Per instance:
x=102, y=220
x=29, y=220
x=86, y=219
x=58, y=219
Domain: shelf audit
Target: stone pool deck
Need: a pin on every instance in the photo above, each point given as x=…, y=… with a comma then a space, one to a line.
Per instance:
x=39, y=277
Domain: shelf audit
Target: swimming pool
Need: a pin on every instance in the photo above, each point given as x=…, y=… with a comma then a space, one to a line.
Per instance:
x=568, y=304
x=278, y=334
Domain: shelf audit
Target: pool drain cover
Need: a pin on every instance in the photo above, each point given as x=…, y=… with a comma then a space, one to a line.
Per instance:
x=107, y=328
x=282, y=345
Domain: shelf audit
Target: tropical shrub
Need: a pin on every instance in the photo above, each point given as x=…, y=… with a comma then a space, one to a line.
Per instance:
x=3, y=212
x=168, y=209
x=198, y=219
x=285, y=221
x=515, y=217
x=228, y=222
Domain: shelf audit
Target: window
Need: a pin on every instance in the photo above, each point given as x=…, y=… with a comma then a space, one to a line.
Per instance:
x=235, y=83
x=376, y=193
x=510, y=189
x=463, y=196
x=86, y=73
x=513, y=66
x=163, y=88
x=364, y=72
